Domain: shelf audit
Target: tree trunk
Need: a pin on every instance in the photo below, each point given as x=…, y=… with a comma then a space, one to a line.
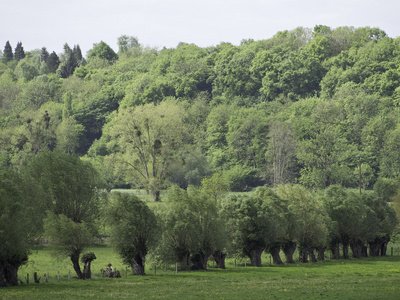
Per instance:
x=311, y=254
x=255, y=257
x=138, y=264
x=384, y=244
x=321, y=253
x=335, y=250
x=185, y=262
x=346, y=250
x=200, y=260
x=2, y=277
x=274, y=251
x=357, y=248
x=303, y=255
x=86, y=270
x=289, y=248
x=75, y=262
x=156, y=196
x=374, y=248
x=219, y=258
x=11, y=273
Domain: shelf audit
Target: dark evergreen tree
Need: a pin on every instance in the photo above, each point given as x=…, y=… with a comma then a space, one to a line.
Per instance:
x=53, y=62
x=74, y=59
x=7, y=54
x=77, y=53
x=19, y=52
x=44, y=55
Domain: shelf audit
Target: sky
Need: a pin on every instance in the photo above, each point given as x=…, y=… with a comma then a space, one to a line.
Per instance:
x=166, y=23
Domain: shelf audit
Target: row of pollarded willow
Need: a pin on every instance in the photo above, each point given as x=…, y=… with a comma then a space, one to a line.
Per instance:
x=191, y=225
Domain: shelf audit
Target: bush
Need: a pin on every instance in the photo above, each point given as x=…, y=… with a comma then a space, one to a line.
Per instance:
x=240, y=178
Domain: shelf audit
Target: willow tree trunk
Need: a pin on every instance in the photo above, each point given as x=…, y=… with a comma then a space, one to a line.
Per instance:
x=311, y=254
x=138, y=264
x=255, y=257
x=303, y=255
x=346, y=250
x=185, y=262
x=200, y=260
x=357, y=248
x=335, y=250
x=321, y=253
x=274, y=251
x=86, y=270
x=75, y=262
x=374, y=248
x=289, y=248
x=2, y=278
x=384, y=244
x=219, y=258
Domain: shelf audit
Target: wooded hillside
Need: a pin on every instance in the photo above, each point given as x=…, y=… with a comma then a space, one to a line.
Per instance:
x=314, y=106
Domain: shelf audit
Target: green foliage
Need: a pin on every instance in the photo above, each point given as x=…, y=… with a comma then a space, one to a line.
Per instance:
x=134, y=229
x=191, y=228
x=215, y=186
x=68, y=185
x=18, y=225
x=67, y=237
x=310, y=227
x=148, y=137
x=102, y=51
x=249, y=225
x=386, y=188
x=240, y=178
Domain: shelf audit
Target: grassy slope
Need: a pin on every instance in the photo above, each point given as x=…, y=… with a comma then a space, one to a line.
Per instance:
x=371, y=278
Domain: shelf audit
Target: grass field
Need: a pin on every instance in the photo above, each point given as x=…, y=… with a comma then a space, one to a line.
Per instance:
x=370, y=278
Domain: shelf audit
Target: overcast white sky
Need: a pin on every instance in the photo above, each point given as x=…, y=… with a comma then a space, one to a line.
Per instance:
x=158, y=23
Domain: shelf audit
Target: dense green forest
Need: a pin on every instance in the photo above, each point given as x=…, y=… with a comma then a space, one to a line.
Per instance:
x=313, y=106
x=317, y=107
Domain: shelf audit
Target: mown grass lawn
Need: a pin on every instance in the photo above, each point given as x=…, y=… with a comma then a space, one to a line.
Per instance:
x=370, y=278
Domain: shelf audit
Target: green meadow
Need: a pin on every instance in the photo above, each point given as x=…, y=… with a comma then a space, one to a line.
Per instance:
x=369, y=278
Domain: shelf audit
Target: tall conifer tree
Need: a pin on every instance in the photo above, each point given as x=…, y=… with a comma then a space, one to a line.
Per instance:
x=44, y=55
x=7, y=54
x=53, y=62
x=19, y=52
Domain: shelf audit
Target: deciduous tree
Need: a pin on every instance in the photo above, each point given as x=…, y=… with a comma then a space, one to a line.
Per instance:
x=148, y=137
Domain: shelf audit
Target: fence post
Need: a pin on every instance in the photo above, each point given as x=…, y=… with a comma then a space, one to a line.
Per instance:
x=27, y=278
x=391, y=251
x=46, y=277
x=270, y=263
x=165, y=267
x=155, y=268
x=126, y=271
x=245, y=262
x=235, y=262
x=58, y=276
x=176, y=268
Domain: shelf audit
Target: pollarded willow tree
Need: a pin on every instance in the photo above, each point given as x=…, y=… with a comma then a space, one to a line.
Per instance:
x=69, y=195
x=249, y=226
x=192, y=228
x=18, y=223
x=133, y=230
x=148, y=137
